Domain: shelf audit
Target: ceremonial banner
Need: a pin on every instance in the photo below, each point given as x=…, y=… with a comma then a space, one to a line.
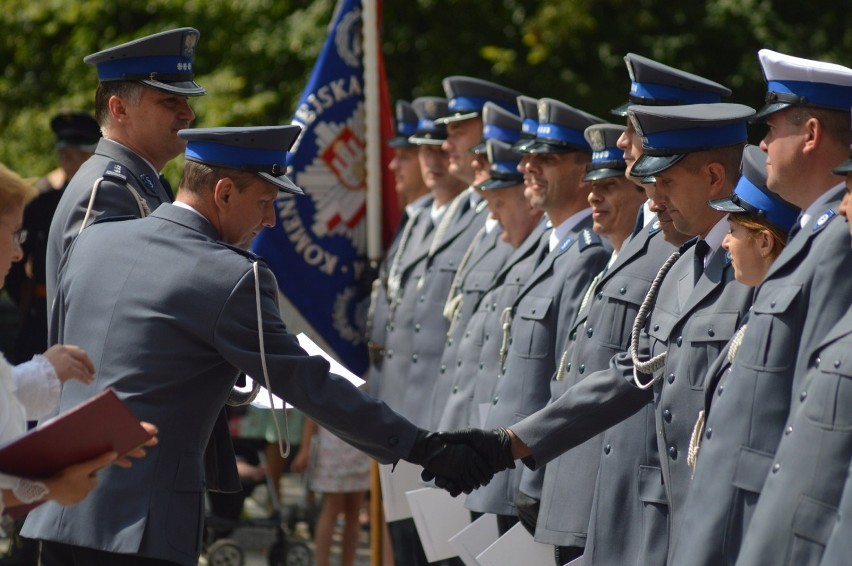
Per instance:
x=317, y=250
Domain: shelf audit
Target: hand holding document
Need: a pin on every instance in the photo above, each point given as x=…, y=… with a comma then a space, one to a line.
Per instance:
x=262, y=399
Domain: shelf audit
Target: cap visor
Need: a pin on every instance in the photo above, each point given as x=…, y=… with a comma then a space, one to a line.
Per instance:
x=598, y=174
x=494, y=184
x=425, y=141
x=725, y=205
x=522, y=144
x=185, y=88
x=767, y=110
x=650, y=165
x=400, y=141
x=283, y=183
x=456, y=118
x=844, y=168
x=544, y=147
x=479, y=148
x=621, y=110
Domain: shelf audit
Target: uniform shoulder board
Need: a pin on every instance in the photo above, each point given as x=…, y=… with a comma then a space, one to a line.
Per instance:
x=588, y=238
x=115, y=170
x=245, y=253
x=482, y=205
x=823, y=220
x=688, y=244
x=148, y=184
x=122, y=218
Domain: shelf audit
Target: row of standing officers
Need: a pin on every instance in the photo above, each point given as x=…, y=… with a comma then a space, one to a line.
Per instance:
x=534, y=234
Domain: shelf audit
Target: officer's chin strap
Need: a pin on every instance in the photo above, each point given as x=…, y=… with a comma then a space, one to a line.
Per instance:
x=283, y=451
x=658, y=361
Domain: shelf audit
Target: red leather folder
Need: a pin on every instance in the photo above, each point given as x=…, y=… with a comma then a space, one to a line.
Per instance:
x=101, y=424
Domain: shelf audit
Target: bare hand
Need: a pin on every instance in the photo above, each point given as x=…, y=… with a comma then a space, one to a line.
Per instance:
x=74, y=483
x=139, y=451
x=71, y=362
x=302, y=459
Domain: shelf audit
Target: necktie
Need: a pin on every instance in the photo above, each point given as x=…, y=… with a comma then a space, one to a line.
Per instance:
x=640, y=222
x=797, y=226
x=701, y=249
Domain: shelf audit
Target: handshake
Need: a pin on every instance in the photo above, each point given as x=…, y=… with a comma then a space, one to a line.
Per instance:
x=464, y=460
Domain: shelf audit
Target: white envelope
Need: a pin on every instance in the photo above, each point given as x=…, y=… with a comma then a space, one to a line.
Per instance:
x=516, y=547
x=406, y=477
x=476, y=537
x=438, y=517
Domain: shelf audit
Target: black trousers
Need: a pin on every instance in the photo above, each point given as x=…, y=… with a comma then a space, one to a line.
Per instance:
x=58, y=554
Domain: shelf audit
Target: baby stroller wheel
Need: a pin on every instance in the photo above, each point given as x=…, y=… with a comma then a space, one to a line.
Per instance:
x=225, y=552
x=290, y=554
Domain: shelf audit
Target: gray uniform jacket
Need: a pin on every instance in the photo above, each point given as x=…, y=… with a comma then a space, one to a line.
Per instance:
x=839, y=547
x=477, y=276
x=601, y=330
x=542, y=315
x=692, y=322
x=804, y=293
x=478, y=361
x=170, y=327
x=119, y=167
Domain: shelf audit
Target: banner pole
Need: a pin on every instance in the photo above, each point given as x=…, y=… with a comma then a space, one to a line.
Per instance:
x=373, y=129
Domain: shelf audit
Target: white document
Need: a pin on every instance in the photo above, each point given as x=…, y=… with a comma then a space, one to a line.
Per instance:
x=262, y=399
x=516, y=547
x=577, y=561
x=476, y=537
x=438, y=517
x=406, y=477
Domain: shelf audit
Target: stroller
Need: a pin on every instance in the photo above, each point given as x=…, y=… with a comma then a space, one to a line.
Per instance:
x=228, y=536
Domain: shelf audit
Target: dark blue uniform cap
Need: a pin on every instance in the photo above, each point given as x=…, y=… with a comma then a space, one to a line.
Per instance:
x=75, y=129
x=466, y=96
x=528, y=108
x=655, y=84
x=752, y=195
x=428, y=110
x=671, y=132
x=793, y=81
x=607, y=158
x=162, y=61
x=497, y=124
x=261, y=150
x=560, y=128
x=503, y=161
x=406, y=124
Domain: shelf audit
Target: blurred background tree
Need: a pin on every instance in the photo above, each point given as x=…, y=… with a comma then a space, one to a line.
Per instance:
x=254, y=56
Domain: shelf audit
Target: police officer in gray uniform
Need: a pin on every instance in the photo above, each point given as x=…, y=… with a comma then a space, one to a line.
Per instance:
x=172, y=342
x=140, y=103
x=569, y=258
x=806, y=290
x=628, y=515
x=691, y=311
x=479, y=266
x=520, y=228
x=600, y=331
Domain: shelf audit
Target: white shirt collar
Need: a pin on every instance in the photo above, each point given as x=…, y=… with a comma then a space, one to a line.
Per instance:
x=715, y=237
x=416, y=204
x=559, y=232
x=181, y=204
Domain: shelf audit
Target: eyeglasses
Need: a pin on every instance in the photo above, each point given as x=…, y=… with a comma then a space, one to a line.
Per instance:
x=20, y=236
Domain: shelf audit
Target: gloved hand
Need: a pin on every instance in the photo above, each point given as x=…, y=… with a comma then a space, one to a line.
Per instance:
x=527, y=508
x=495, y=446
x=456, y=467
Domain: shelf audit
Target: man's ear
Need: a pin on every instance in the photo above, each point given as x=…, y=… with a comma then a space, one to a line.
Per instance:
x=117, y=108
x=223, y=192
x=717, y=177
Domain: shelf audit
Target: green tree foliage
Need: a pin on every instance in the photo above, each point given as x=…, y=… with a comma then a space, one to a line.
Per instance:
x=254, y=56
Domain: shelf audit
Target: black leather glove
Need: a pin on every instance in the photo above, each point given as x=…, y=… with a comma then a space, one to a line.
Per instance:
x=527, y=508
x=455, y=467
x=495, y=446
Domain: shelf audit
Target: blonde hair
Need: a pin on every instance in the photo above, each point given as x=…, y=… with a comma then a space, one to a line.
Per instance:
x=14, y=190
x=755, y=224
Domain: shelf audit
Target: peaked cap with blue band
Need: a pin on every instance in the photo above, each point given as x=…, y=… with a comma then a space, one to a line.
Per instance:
x=428, y=109
x=503, y=161
x=671, y=132
x=752, y=195
x=607, y=158
x=528, y=108
x=560, y=128
x=793, y=81
x=260, y=149
x=405, y=124
x=655, y=84
x=466, y=96
x=162, y=61
x=497, y=124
